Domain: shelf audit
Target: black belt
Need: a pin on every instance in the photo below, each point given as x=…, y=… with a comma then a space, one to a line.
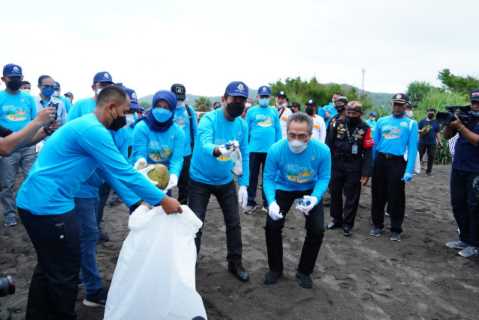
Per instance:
x=389, y=156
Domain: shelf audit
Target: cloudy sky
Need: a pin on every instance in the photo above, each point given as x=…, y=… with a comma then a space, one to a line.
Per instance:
x=204, y=44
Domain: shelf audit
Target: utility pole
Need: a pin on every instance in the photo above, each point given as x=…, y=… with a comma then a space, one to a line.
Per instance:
x=363, y=75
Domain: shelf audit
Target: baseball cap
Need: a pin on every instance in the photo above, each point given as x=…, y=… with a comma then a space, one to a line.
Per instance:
x=475, y=95
x=179, y=90
x=310, y=102
x=281, y=94
x=264, y=91
x=373, y=113
x=341, y=98
x=237, y=89
x=12, y=70
x=133, y=98
x=400, y=98
x=103, y=76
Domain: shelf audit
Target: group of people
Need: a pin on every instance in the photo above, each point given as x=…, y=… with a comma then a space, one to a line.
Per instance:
x=80, y=151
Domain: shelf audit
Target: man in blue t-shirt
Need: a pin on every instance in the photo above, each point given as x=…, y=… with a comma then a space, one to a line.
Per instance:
x=17, y=110
x=429, y=138
x=465, y=180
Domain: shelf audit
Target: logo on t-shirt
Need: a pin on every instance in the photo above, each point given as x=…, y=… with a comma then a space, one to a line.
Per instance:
x=299, y=174
x=264, y=121
x=14, y=114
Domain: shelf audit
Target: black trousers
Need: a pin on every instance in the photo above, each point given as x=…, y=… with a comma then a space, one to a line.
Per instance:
x=183, y=180
x=387, y=186
x=312, y=242
x=431, y=152
x=198, y=198
x=257, y=162
x=54, y=285
x=348, y=182
x=103, y=194
x=465, y=206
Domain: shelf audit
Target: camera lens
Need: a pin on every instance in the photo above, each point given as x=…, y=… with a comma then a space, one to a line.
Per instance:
x=7, y=286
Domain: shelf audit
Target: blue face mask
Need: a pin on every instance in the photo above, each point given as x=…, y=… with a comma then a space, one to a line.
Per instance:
x=264, y=102
x=161, y=114
x=48, y=91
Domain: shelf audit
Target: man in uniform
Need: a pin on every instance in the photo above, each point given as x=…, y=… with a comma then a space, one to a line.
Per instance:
x=351, y=143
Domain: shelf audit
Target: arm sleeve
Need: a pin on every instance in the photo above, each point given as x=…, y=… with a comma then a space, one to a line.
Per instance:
x=322, y=130
x=176, y=160
x=412, y=147
x=205, y=134
x=4, y=132
x=140, y=143
x=98, y=143
x=367, y=163
x=324, y=174
x=277, y=127
x=271, y=169
x=195, y=123
x=244, y=179
x=376, y=138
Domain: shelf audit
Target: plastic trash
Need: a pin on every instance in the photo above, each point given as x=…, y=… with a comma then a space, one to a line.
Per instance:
x=154, y=278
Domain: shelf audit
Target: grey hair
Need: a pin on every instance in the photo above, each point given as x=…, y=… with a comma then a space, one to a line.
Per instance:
x=300, y=117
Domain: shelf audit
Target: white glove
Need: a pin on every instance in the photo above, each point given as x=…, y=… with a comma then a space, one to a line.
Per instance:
x=307, y=203
x=243, y=197
x=224, y=151
x=273, y=211
x=173, y=182
x=140, y=164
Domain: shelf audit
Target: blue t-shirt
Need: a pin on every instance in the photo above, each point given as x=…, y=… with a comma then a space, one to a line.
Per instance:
x=81, y=108
x=66, y=102
x=430, y=136
x=159, y=147
x=288, y=171
x=396, y=135
x=16, y=110
x=184, y=121
x=68, y=159
x=264, y=128
x=214, y=130
x=466, y=155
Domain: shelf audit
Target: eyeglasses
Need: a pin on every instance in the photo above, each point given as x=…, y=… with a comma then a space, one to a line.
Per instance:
x=298, y=136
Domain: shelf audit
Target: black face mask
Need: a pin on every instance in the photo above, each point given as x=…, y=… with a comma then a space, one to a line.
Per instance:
x=309, y=110
x=430, y=115
x=235, y=109
x=354, y=121
x=14, y=84
x=117, y=123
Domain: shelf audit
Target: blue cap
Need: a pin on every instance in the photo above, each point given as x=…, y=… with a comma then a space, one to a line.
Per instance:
x=264, y=91
x=237, y=89
x=12, y=70
x=373, y=113
x=134, y=106
x=167, y=96
x=103, y=76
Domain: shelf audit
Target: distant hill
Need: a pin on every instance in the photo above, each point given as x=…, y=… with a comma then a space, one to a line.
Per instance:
x=378, y=99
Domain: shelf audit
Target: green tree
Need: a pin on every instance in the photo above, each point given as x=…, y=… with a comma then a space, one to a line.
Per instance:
x=457, y=83
x=203, y=104
x=417, y=90
x=145, y=104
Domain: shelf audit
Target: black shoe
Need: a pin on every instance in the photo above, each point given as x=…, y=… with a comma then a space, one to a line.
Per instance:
x=96, y=300
x=376, y=232
x=237, y=269
x=347, y=232
x=304, y=280
x=104, y=237
x=272, y=277
x=334, y=225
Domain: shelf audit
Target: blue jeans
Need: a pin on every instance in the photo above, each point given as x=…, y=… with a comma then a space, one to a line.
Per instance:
x=86, y=211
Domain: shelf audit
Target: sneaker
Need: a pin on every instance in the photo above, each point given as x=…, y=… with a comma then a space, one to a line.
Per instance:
x=376, y=232
x=458, y=245
x=272, y=277
x=395, y=236
x=334, y=225
x=10, y=221
x=249, y=210
x=469, y=252
x=347, y=232
x=96, y=300
x=304, y=280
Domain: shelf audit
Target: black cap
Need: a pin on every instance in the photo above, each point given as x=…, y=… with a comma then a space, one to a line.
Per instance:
x=179, y=90
x=281, y=94
x=400, y=98
x=475, y=95
x=341, y=98
x=310, y=102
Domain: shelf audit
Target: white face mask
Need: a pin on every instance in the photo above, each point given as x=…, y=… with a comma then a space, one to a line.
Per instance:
x=25, y=90
x=130, y=118
x=297, y=146
x=409, y=113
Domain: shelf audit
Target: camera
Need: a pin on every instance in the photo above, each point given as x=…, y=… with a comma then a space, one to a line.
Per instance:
x=7, y=286
x=464, y=114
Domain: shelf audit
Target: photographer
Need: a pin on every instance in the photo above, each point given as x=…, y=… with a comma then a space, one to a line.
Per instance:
x=465, y=169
